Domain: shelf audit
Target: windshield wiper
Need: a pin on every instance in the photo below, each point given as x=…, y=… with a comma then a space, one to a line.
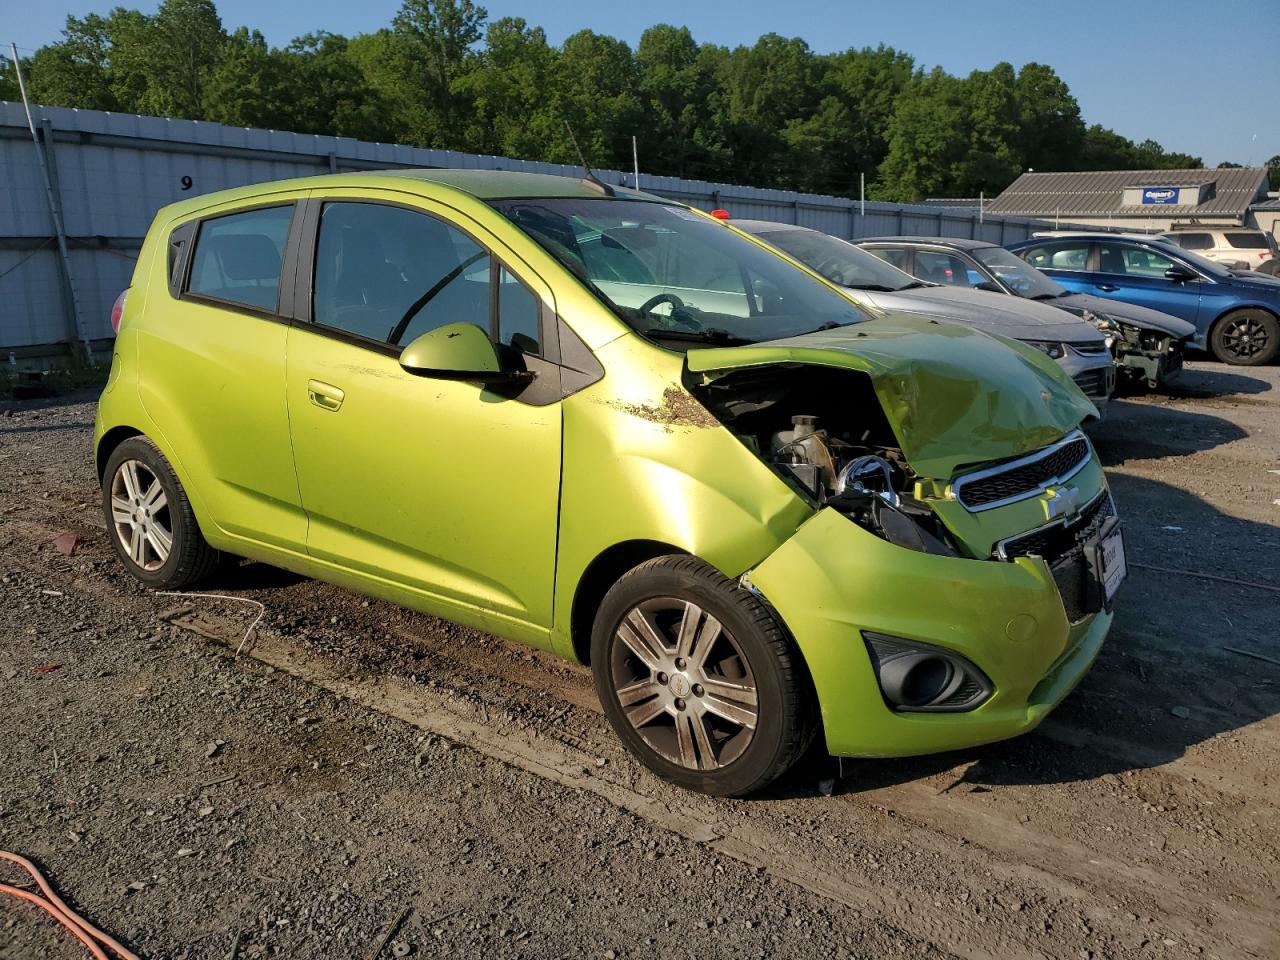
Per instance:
x=705, y=335
x=878, y=287
x=829, y=325
x=1048, y=296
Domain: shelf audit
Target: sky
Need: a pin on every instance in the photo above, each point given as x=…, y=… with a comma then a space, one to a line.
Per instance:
x=1198, y=77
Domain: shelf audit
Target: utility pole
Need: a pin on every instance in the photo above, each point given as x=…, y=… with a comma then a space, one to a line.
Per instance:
x=862, y=194
x=55, y=212
x=635, y=159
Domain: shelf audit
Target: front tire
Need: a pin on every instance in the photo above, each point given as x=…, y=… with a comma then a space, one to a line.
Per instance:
x=1247, y=338
x=150, y=521
x=699, y=679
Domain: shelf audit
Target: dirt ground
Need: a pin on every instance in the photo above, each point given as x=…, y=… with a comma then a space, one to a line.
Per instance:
x=358, y=765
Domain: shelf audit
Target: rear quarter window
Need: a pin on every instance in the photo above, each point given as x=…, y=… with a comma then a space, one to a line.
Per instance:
x=1048, y=257
x=1194, y=241
x=1247, y=241
x=238, y=256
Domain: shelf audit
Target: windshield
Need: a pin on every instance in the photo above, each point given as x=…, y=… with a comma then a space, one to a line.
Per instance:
x=840, y=262
x=676, y=276
x=1018, y=275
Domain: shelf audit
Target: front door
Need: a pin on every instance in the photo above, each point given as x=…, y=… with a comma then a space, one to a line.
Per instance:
x=446, y=488
x=1136, y=274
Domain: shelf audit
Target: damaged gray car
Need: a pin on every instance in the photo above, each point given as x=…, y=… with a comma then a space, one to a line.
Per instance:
x=1148, y=345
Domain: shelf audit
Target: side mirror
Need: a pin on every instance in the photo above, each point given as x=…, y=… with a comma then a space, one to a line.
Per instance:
x=1179, y=274
x=458, y=351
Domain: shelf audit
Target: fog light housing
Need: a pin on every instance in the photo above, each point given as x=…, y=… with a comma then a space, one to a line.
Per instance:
x=920, y=678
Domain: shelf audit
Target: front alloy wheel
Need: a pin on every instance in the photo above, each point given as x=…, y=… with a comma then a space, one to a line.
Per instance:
x=684, y=683
x=699, y=679
x=1247, y=338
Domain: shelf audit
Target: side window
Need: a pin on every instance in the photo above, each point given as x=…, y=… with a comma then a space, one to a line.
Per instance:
x=519, y=315
x=390, y=274
x=1140, y=262
x=1056, y=257
x=1195, y=241
x=237, y=257
x=897, y=258
x=942, y=268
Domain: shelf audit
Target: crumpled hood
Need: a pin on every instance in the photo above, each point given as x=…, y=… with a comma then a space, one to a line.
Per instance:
x=1142, y=317
x=952, y=395
x=993, y=312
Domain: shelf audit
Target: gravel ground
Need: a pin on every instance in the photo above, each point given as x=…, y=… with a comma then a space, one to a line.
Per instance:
x=358, y=765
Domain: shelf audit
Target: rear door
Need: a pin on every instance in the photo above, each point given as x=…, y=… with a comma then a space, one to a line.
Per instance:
x=443, y=487
x=213, y=353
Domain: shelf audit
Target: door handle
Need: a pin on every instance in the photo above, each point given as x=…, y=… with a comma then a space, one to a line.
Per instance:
x=1107, y=287
x=324, y=395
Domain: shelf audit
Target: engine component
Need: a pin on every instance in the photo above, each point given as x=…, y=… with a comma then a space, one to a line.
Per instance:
x=868, y=474
x=804, y=443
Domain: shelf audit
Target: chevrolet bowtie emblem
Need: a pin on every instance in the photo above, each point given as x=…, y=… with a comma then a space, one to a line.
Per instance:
x=1063, y=501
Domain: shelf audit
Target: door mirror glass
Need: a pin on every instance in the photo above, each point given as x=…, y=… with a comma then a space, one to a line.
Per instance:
x=458, y=351
x=1179, y=274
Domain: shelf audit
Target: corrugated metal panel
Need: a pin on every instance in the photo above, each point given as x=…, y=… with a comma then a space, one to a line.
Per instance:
x=1101, y=192
x=115, y=170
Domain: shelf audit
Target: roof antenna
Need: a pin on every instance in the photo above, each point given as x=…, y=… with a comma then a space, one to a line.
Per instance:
x=591, y=179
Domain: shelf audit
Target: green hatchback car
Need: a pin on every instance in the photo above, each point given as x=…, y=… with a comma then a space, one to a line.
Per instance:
x=603, y=423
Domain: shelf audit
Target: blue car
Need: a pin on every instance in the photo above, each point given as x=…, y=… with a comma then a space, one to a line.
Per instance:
x=1236, y=313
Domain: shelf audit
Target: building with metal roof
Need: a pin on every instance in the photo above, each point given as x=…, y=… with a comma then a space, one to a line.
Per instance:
x=1138, y=199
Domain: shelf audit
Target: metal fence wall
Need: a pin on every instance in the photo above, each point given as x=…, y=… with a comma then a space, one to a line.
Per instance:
x=111, y=172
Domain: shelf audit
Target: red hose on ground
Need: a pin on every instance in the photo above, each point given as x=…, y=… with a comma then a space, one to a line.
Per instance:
x=93, y=938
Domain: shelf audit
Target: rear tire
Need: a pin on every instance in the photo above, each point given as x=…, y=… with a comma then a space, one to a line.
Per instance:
x=150, y=522
x=699, y=678
x=1246, y=338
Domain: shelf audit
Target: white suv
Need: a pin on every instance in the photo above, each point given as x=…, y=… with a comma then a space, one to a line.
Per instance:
x=1240, y=247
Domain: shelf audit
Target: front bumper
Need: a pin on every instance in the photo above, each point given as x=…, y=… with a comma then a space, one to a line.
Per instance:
x=832, y=580
x=1094, y=374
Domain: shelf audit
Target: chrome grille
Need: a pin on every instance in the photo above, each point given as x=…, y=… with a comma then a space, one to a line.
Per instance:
x=1056, y=540
x=1022, y=478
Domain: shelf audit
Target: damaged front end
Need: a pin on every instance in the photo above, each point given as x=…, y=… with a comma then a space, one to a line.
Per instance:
x=947, y=590
x=1149, y=349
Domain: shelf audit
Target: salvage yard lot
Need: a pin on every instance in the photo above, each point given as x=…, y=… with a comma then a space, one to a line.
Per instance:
x=356, y=761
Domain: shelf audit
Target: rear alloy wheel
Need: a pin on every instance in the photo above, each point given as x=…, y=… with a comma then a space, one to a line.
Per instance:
x=699, y=679
x=149, y=518
x=1246, y=338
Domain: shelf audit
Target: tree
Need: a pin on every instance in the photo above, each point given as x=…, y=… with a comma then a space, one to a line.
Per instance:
x=1051, y=134
x=1273, y=172
x=330, y=94
x=251, y=85
x=416, y=64
x=596, y=87
x=677, y=84
x=8, y=79
x=771, y=113
x=509, y=88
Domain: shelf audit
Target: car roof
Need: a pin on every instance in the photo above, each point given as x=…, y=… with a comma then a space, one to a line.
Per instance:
x=767, y=226
x=957, y=243
x=508, y=184
x=480, y=185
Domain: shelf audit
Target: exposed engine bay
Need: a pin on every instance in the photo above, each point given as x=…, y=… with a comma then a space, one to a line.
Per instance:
x=823, y=431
